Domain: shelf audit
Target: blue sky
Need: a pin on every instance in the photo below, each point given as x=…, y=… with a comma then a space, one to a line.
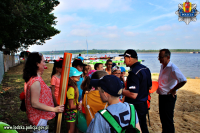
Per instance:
x=122, y=24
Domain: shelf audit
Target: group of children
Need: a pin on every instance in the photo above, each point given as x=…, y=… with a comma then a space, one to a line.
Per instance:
x=79, y=85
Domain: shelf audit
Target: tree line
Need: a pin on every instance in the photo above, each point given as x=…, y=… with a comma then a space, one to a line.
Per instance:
x=101, y=51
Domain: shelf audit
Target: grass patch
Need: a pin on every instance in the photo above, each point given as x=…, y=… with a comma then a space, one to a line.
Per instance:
x=11, y=87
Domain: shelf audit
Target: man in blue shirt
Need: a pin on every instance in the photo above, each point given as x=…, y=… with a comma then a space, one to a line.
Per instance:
x=138, y=84
x=110, y=88
x=80, y=57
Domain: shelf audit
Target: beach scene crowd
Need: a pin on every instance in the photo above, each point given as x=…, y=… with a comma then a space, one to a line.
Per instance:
x=101, y=100
x=109, y=66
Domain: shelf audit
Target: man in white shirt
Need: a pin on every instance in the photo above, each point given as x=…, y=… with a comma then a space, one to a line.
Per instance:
x=170, y=80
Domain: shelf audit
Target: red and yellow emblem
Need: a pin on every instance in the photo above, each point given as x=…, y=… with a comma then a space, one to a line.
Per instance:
x=187, y=7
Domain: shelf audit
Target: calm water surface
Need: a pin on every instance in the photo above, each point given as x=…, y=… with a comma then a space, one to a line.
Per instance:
x=189, y=64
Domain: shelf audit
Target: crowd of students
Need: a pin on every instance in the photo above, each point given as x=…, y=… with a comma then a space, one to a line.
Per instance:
x=110, y=103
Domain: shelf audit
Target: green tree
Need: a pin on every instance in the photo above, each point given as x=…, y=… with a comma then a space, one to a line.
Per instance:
x=26, y=22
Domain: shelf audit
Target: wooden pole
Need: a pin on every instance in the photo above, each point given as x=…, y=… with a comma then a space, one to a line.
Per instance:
x=63, y=85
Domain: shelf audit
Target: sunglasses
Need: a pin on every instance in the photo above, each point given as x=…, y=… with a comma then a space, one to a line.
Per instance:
x=160, y=57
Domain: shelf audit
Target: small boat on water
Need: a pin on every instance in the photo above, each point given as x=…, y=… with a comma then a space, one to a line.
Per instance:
x=96, y=58
x=50, y=59
x=105, y=57
x=93, y=58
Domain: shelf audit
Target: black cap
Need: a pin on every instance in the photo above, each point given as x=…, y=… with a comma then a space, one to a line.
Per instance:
x=77, y=62
x=130, y=53
x=109, y=83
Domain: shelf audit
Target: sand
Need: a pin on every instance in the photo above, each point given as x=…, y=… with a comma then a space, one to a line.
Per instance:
x=187, y=109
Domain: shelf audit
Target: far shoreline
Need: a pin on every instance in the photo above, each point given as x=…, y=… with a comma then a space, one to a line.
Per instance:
x=117, y=53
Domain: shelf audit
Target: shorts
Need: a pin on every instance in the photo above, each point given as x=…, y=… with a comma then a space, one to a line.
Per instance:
x=43, y=123
x=70, y=116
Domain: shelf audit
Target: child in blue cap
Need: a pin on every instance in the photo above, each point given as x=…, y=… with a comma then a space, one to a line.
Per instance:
x=72, y=99
x=123, y=70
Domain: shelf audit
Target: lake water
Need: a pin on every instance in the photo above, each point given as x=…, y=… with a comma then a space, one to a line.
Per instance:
x=189, y=64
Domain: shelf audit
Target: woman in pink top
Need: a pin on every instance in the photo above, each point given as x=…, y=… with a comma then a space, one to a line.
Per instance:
x=39, y=102
x=55, y=80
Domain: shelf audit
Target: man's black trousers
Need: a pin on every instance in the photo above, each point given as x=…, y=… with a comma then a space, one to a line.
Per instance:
x=166, y=111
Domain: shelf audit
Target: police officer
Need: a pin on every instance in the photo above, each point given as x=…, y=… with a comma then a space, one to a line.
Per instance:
x=138, y=84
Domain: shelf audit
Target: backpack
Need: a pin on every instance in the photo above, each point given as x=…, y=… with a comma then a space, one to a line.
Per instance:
x=113, y=123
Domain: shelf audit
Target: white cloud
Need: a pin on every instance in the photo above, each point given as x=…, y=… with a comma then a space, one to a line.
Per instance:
x=98, y=5
x=156, y=18
x=181, y=1
x=77, y=41
x=80, y=32
x=168, y=15
x=187, y=37
x=129, y=33
x=157, y=7
x=188, y=43
x=178, y=1
x=112, y=27
x=160, y=34
x=112, y=35
x=153, y=43
x=163, y=28
x=81, y=25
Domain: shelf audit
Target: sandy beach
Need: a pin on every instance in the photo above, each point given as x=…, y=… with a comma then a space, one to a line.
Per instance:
x=187, y=109
x=186, y=116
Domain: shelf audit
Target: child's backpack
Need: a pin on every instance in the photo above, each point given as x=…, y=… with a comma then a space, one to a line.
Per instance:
x=127, y=129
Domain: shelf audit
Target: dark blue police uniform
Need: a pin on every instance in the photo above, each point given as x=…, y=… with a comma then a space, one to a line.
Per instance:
x=139, y=81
